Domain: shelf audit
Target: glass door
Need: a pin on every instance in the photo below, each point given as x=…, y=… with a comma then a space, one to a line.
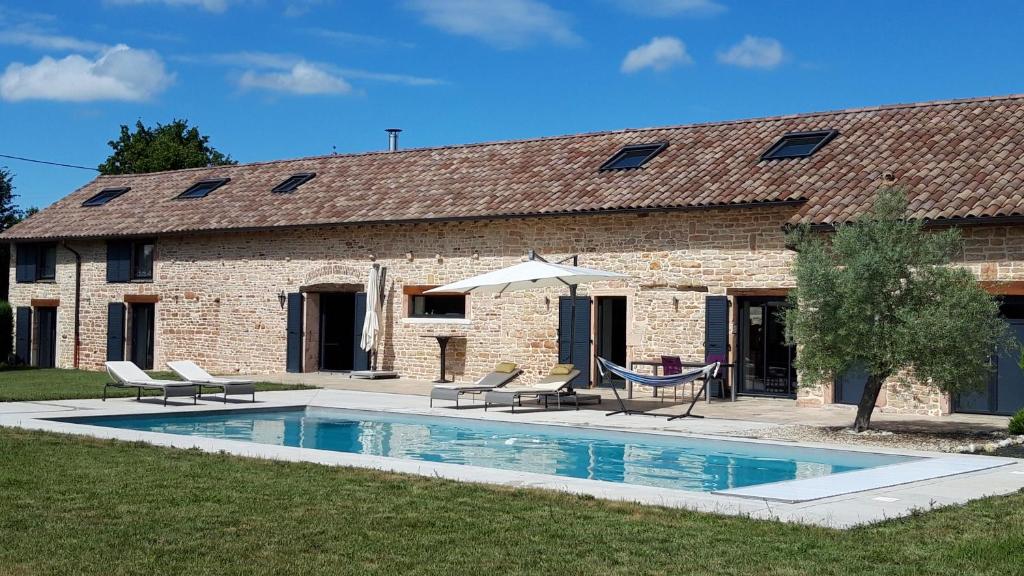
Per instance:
x=766, y=362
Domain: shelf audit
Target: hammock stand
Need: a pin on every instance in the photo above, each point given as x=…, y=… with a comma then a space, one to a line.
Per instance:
x=704, y=373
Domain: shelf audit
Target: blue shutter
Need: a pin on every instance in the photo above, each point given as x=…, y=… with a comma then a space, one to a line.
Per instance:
x=581, y=347
x=115, y=331
x=716, y=334
x=294, y=350
x=23, y=336
x=25, y=268
x=119, y=261
x=360, y=357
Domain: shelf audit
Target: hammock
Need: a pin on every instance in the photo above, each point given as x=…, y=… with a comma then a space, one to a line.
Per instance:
x=666, y=381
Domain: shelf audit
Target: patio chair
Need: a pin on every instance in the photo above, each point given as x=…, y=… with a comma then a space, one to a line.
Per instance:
x=557, y=384
x=128, y=375
x=671, y=365
x=191, y=371
x=502, y=374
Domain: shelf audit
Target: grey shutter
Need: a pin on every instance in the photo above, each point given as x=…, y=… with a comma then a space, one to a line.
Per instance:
x=360, y=357
x=119, y=261
x=581, y=345
x=115, y=331
x=23, y=336
x=25, y=268
x=293, y=358
x=716, y=335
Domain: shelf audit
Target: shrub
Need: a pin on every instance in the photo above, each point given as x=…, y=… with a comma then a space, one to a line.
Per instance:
x=1016, y=426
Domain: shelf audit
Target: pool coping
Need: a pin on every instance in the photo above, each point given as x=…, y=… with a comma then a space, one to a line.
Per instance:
x=898, y=490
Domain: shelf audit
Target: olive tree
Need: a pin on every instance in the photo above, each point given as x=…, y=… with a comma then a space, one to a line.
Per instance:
x=882, y=294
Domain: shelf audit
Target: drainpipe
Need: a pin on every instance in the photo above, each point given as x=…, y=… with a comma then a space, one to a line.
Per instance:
x=78, y=300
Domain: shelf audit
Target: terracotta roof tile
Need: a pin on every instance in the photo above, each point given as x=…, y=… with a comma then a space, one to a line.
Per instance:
x=955, y=159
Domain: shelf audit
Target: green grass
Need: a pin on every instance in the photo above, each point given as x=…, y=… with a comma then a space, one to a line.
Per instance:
x=71, y=505
x=33, y=384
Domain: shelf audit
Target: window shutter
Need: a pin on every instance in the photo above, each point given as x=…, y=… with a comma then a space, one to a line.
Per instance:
x=115, y=331
x=581, y=344
x=293, y=360
x=119, y=261
x=25, y=268
x=716, y=334
x=23, y=336
x=360, y=357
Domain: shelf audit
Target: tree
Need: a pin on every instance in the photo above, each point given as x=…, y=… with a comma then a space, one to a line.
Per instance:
x=9, y=216
x=883, y=296
x=166, y=147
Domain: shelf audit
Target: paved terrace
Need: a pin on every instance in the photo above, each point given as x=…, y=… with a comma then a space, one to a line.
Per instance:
x=778, y=411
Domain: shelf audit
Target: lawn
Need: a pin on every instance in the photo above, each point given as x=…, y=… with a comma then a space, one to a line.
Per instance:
x=32, y=384
x=74, y=505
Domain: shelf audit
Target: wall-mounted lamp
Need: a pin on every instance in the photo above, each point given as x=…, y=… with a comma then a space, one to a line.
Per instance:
x=408, y=256
x=282, y=298
x=373, y=258
x=438, y=257
x=476, y=255
x=675, y=303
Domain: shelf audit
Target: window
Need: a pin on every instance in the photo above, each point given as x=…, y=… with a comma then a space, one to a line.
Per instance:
x=293, y=182
x=633, y=156
x=202, y=189
x=46, y=267
x=142, y=260
x=437, y=306
x=105, y=196
x=36, y=263
x=799, y=144
x=130, y=260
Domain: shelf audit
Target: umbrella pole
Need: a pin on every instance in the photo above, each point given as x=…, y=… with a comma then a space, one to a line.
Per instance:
x=572, y=319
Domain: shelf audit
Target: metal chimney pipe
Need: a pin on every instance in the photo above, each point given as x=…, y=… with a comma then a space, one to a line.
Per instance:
x=393, y=138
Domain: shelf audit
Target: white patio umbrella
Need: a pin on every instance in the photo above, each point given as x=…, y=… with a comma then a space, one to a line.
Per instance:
x=372, y=320
x=534, y=273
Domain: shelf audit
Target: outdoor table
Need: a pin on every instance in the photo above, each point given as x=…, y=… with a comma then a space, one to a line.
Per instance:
x=654, y=363
x=442, y=342
x=707, y=395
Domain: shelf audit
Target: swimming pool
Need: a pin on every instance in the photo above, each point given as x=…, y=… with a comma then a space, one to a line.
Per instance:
x=681, y=463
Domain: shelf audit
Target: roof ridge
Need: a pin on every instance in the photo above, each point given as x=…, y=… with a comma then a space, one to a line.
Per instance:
x=740, y=121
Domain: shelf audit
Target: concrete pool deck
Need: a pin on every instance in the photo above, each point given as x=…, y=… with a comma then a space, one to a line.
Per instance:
x=883, y=493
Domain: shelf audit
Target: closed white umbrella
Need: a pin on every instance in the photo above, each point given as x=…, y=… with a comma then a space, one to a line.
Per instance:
x=371, y=322
x=534, y=273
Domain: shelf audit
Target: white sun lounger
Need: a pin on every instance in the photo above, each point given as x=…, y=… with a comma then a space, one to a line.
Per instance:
x=128, y=375
x=490, y=381
x=191, y=371
x=551, y=385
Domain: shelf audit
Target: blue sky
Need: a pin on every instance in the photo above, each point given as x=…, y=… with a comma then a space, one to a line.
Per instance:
x=270, y=79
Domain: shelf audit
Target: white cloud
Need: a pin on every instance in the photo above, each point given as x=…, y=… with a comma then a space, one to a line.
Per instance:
x=666, y=8
x=754, y=52
x=505, y=24
x=261, y=63
x=119, y=73
x=343, y=37
x=44, y=41
x=661, y=53
x=302, y=78
x=208, y=5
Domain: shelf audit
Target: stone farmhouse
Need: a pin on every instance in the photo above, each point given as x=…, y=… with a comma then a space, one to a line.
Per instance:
x=260, y=268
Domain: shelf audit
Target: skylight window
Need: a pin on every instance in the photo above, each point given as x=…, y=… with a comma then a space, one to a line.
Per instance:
x=799, y=144
x=203, y=188
x=633, y=156
x=293, y=182
x=105, y=196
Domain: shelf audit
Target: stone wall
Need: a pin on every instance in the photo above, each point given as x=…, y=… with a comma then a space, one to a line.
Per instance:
x=220, y=294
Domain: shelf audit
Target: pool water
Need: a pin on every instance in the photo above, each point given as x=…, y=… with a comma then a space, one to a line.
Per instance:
x=681, y=463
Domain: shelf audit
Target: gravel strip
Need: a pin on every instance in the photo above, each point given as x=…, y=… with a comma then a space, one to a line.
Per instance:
x=946, y=441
